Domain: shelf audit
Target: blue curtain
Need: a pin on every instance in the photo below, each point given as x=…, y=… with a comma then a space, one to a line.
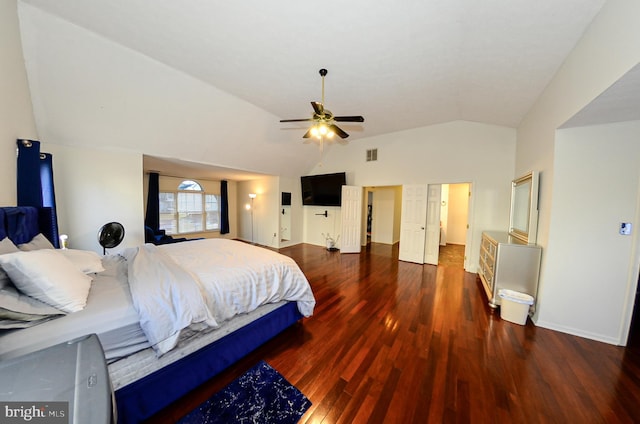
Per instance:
x=224, y=208
x=35, y=186
x=152, y=216
x=29, y=183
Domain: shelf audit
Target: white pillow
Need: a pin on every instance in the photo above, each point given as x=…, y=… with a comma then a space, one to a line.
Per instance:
x=48, y=276
x=6, y=246
x=86, y=261
x=37, y=243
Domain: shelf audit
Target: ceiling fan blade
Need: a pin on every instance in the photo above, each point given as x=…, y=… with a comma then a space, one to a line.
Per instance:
x=318, y=108
x=337, y=130
x=296, y=120
x=307, y=134
x=348, y=118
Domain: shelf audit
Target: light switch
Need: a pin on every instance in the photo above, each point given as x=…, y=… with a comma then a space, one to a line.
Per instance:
x=625, y=228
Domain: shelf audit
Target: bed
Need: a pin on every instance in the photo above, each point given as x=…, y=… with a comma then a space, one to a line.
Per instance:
x=210, y=316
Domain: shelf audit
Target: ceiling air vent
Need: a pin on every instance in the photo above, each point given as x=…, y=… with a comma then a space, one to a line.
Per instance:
x=372, y=155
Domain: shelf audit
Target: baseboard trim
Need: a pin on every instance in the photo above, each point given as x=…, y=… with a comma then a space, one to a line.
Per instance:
x=577, y=332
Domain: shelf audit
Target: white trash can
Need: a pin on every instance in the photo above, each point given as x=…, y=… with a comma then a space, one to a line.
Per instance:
x=514, y=306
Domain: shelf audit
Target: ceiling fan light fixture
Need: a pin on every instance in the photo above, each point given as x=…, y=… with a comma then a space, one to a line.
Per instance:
x=323, y=120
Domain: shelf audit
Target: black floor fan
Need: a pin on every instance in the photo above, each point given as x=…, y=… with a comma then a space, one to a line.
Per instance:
x=110, y=235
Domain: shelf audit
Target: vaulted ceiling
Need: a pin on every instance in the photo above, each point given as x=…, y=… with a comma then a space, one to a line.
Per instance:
x=401, y=65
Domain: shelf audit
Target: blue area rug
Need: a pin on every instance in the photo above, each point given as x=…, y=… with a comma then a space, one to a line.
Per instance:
x=261, y=395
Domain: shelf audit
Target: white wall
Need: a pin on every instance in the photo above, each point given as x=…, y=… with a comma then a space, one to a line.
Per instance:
x=89, y=91
x=588, y=262
x=316, y=224
x=453, y=152
x=292, y=185
x=138, y=104
x=94, y=187
x=16, y=115
x=608, y=49
x=266, y=207
x=384, y=209
x=267, y=210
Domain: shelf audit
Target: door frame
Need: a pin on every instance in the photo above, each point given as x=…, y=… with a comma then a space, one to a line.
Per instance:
x=369, y=189
x=469, y=242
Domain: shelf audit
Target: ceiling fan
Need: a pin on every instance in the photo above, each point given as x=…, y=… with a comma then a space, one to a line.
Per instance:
x=324, y=122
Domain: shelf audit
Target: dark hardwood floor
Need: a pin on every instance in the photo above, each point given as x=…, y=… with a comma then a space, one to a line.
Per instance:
x=396, y=342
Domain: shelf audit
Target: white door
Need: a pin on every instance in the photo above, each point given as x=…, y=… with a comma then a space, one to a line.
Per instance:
x=413, y=223
x=351, y=219
x=432, y=244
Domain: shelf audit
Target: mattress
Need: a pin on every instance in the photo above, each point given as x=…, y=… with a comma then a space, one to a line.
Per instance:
x=140, y=364
x=109, y=313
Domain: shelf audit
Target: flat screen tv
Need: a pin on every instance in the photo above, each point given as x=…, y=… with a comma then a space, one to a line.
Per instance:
x=323, y=190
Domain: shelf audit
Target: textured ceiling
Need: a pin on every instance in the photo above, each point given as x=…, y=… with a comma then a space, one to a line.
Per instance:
x=401, y=65
x=619, y=103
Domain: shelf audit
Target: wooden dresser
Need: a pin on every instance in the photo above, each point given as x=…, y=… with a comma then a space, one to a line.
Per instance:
x=508, y=263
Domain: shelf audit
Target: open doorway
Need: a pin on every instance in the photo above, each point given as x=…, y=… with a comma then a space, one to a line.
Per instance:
x=422, y=228
x=382, y=214
x=454, y=219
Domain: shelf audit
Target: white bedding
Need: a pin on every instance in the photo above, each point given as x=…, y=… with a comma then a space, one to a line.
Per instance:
x=207, y=282
x=109, y=313
x=140, y=364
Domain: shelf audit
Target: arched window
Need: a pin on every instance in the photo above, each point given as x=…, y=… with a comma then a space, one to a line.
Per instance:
x=189, y=185
x=189, y=209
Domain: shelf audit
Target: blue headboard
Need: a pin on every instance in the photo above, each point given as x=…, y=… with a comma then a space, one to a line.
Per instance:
x=3, y=231
x=22, y=223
